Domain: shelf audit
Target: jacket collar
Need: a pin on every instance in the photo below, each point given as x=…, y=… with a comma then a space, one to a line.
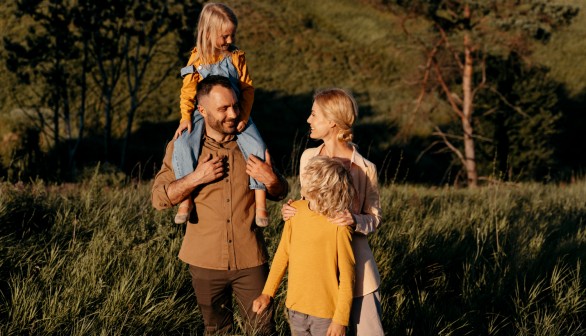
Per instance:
x=356, y=159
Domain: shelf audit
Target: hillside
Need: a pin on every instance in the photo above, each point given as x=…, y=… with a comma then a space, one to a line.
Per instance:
x=297, y=46
x=565, y=54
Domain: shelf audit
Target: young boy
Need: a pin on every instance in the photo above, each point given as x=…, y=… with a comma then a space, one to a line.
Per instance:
x=317, y=253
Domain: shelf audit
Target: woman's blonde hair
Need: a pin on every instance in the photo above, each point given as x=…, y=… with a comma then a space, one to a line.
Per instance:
x=340, y=107
x=328, y=186
x=212, y=20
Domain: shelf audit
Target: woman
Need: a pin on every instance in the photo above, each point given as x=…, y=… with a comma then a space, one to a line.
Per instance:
x=333, y=113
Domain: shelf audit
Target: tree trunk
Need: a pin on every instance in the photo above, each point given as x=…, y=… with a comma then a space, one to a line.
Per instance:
x=467, y=109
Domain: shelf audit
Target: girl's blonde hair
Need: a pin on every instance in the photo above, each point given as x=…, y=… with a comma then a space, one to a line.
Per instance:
x=340, y=107
x=328, y=186
x=212, y=20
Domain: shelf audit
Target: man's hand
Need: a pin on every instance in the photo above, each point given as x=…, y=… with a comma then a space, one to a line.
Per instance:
x=261, y=171
x=287, y=211
x=344, y=218
x=336, y=330
x=261, y=303
x=185, y=124
x=208, y=169
x=264, y=173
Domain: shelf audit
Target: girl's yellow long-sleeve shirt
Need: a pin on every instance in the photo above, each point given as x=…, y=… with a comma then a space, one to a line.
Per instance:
x=188, y=90
x=320, y=261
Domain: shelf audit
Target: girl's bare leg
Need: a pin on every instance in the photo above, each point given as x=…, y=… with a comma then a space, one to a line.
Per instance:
x=183, y=211
x=262, y=216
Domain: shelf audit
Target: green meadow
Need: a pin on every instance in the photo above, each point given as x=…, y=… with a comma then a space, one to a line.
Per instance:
x=83, y=252
x=96, y=259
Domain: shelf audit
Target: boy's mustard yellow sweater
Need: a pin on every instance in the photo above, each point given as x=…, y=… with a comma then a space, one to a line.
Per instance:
x=320, y=260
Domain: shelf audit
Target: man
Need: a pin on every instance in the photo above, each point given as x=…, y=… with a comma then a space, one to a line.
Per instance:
x=225, y=251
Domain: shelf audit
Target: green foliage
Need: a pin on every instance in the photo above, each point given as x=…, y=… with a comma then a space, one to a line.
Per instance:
x=293, y=48
x=520, y=113
x=95, y=258
x=106, y=57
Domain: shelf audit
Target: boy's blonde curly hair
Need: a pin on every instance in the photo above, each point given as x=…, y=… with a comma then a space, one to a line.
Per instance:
x=328, y=186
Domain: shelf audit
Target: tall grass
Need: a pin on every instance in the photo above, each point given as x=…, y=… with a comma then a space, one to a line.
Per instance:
x=502, y=260
x=96, y=259
x=90, y=259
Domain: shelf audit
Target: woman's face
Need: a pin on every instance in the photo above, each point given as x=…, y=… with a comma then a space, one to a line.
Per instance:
x=225, y=38
x=319, y=126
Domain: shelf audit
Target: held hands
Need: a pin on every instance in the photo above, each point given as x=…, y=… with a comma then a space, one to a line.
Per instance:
x=185, y=124
x=336, y=330
x=261, y=303
x=344, y=218
x=287, y=211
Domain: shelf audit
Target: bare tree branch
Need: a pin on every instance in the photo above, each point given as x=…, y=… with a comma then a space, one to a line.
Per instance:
x=449, y=145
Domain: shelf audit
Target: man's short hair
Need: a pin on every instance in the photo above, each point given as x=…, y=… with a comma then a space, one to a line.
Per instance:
x=207, y=84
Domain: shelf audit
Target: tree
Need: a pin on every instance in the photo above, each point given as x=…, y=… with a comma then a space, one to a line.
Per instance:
x=153, y=32
x=521, y=113
x=107, y=56
x=46, y=60
x=466, y=33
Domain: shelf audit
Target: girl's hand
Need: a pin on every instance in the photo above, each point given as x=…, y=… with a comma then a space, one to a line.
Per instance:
x=185, y=124
x=240, y=126
x=344, y=219
x=287, y=211
x=336, y=329
x=261, y=303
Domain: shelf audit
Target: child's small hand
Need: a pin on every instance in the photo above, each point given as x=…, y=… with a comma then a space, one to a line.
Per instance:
x=240, y=126
x=287, y=211
x=185, y=124
x=336, y=329
x=261, y=303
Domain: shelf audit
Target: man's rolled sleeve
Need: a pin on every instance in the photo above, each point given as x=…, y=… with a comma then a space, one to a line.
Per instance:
x=165, y=176
x=279, y=191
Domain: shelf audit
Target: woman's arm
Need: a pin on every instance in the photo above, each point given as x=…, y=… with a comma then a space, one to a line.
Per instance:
x=369, y=219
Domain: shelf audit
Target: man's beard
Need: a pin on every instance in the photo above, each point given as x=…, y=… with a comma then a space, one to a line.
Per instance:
x=219, y=125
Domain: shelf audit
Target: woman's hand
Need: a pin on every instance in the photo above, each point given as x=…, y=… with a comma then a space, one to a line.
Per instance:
x=185, y=124
x=344, y=218
x=287, y=211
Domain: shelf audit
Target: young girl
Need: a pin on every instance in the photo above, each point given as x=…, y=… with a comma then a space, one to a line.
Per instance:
x=215, y=54
x=317, y=253
x=333, y=114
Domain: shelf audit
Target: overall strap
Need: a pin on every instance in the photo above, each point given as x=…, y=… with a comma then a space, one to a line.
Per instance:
x=187, y=70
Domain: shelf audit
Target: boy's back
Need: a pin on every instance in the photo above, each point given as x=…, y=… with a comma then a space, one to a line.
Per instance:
x=315, y=252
